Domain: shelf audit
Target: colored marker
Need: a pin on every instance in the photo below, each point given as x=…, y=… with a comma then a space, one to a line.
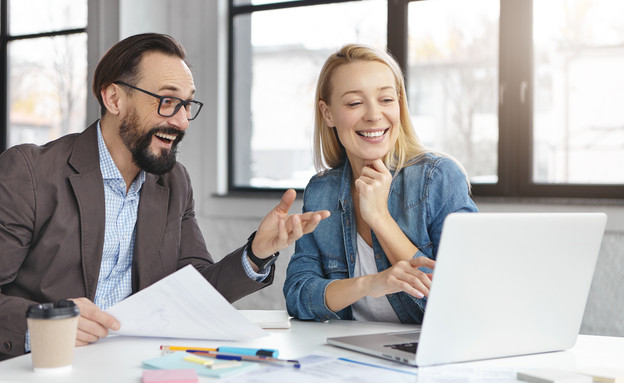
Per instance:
x=249, y=351
x=229, y=350
x=261, y=359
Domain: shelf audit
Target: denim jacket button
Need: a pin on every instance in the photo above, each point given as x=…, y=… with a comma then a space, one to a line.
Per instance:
x=7, y=346
x=377, y=256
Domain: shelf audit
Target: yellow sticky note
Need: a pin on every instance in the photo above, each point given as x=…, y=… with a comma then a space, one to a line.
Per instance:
x=199, y=360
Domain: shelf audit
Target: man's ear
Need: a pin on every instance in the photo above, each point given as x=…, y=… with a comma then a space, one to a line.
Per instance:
x=112, y=99
x=326, y=113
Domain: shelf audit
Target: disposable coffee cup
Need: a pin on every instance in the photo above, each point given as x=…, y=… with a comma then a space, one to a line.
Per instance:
x=53, y=328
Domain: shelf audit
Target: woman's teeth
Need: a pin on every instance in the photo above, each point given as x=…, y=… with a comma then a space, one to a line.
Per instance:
x=372, y=134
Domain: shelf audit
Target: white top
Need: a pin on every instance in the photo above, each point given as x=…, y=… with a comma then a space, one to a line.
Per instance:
x=369, y=308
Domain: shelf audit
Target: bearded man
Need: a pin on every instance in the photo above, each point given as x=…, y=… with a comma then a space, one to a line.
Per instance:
x=102, y=214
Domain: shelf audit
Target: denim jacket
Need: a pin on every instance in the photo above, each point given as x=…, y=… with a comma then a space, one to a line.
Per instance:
x=421, y=196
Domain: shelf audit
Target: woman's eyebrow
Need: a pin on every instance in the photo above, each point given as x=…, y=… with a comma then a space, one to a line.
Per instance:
x=359, y=91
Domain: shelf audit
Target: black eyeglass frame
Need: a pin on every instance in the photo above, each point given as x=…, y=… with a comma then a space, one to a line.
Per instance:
x=162, y=98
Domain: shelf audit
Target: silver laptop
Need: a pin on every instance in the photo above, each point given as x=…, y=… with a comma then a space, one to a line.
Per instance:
x=504, y=284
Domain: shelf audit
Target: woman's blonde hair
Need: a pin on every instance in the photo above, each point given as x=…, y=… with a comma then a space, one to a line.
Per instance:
x=328, y=151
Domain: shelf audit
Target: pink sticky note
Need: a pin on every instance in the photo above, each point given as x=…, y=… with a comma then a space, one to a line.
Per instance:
x=170, y=376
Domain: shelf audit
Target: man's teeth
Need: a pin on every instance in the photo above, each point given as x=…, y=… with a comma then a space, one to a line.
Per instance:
x=166, y=136
x=372, y=134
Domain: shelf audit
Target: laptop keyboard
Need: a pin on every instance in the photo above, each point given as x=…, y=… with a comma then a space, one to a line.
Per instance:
x=407, y=347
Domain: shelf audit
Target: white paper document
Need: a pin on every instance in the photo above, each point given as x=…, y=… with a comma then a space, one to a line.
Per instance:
x=182, y=305
x=321, y=367
x=268, y=319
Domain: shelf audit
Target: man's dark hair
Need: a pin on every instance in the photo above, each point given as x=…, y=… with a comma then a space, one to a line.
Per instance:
x=121, y=62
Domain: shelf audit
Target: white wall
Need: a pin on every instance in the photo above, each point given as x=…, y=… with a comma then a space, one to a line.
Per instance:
x=201, y=26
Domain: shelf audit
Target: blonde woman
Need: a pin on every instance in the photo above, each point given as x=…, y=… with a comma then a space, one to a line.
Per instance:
x=372, y=259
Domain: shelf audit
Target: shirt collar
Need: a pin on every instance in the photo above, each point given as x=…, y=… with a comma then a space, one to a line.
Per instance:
x=107, y=165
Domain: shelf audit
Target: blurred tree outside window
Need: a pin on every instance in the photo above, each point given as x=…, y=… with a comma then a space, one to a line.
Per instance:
x=46, y=69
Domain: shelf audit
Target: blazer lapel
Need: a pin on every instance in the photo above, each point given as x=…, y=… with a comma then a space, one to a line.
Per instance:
x=150, y=228
x=88, y=187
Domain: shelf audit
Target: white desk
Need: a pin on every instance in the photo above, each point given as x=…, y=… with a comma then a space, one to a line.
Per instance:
x=118, y=359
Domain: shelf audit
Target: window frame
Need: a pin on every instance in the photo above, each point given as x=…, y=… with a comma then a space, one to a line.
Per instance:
x=5, y=39
x=515, y=118
x=236, y=10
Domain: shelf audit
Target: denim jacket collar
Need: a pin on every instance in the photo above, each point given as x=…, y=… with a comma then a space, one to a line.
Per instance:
x=345, y=186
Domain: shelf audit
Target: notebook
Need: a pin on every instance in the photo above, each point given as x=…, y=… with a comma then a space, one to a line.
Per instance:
x=504, y=284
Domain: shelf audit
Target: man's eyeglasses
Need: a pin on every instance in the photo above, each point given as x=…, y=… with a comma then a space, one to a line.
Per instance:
x=169, y=106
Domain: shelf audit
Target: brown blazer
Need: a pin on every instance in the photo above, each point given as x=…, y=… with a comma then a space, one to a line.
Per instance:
x=52, y=231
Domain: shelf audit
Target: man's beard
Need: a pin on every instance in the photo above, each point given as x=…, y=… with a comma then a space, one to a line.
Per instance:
x=139, y=146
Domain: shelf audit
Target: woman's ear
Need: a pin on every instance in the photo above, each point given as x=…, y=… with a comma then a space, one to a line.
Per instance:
x=111, y=99
x=326, y=113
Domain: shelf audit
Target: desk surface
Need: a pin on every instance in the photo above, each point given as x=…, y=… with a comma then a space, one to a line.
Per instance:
x=118, y=359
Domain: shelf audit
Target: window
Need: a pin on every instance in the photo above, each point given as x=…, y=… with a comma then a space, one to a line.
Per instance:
x=579, y=84
x=452, y=61
x=278, y=52
x=44, y=57
x=523, y=93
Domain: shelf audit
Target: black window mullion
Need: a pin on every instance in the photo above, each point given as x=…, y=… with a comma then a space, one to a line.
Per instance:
x=398, y=31
x=523, y=80
x=515, y=110
x=4, y=40
x=604, y=192
x=249, y=8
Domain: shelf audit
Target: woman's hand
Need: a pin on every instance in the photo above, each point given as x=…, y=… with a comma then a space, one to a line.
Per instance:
x=403, y=276
x=373, y=187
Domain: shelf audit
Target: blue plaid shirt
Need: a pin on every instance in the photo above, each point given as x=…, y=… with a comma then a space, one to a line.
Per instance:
x=115, y=280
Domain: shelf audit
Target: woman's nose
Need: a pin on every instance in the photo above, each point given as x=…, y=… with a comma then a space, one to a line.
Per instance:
x=373, y=113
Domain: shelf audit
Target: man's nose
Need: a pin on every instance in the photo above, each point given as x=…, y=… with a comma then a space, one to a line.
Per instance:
x=180, y=119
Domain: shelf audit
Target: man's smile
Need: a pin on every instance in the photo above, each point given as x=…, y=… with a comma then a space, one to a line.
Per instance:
x=167, y=138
